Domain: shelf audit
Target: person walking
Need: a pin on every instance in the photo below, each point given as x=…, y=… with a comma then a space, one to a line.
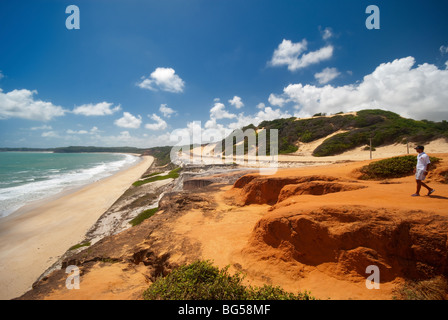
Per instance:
x=421, y=171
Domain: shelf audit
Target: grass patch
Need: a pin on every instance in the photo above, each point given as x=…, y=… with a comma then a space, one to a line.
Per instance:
x=203, y=281
x=151, y=174
x=173, y=174
x=143, y=216
x=432, y=289
x=395, y=167
x=80, y=245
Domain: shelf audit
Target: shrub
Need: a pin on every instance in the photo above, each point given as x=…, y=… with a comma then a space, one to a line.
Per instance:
x=79, y=245
x=431, y=289
x=143, y=216
x=173, y=174
x=395, y=167
x=203, y=281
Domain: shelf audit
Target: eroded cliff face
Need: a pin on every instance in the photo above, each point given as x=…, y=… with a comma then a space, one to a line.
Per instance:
x=336, y=225
x=401, y=243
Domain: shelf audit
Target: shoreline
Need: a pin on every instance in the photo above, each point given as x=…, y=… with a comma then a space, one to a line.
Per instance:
x=31, y=205
x=33, y=237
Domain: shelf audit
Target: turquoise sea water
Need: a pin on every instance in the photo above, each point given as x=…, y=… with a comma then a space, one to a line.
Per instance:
x=31, y=176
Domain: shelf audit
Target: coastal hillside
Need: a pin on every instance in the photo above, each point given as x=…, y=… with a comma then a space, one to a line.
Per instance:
x=340, y=132
x=311, y=228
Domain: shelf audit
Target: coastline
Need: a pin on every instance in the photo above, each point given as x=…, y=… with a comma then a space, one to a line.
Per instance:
x=33, y=238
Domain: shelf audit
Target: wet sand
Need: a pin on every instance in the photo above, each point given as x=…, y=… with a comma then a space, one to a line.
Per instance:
x=33, y=238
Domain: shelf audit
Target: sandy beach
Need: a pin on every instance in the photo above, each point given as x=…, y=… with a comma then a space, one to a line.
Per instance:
x=33, y=238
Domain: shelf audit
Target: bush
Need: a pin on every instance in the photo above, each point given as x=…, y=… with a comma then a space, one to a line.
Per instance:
x=143, y=216
x=173, y=174
x=431, y=289
x=395, y=167
x=79, y=245
x=202, y=281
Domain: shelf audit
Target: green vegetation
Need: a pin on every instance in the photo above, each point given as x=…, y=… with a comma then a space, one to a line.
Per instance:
x=384, y=127
x=79, y=149
x=395, y=167
x=143, y=216
x=151, y=174
x=80, y=245
x=173, y=174
x=431, y=289
x=161, y=155
x=202, y=281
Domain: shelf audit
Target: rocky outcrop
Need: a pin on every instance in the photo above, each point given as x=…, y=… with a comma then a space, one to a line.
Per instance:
x=271, y=189
x=407, y=244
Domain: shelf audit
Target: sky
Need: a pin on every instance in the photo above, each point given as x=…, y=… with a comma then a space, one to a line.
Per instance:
x=133, y=73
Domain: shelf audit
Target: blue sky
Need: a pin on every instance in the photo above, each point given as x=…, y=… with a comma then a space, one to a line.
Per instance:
x=137, y=70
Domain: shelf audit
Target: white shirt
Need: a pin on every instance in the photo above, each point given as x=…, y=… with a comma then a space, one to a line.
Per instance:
x=422, y=161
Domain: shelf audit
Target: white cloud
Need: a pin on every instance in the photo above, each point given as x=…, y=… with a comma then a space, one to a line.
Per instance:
x=276, y=100
x=164, y=79
x=443, y=49
x=446, y=65
x=218, y=112
x=50, y=134
x=94, y=130
x=327, y=75
x=327, y=33
x=290, y=54
x=159, y=124
x=44, y=127
x=236, y=102
x=419, y=92
x=1, y=74
x=261, y=106
x=265, y=114
x=314, y=57
x=129, y=121
x=21, y=104
x=70, y=131
x=99, y=109
x=166, y=111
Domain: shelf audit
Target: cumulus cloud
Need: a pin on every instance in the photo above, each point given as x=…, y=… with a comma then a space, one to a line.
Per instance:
x=443, y=49
x=327, y=75
x=292, y=55
x=218, y=111
x=265, y=114
x=94, y=130
x=99, y=109
x=21, y=104
x=129, y=121
x=276, y=100
x=166, y=111
x=236, y=102
x=159, y=124
x=164, y=79
x=419, y=92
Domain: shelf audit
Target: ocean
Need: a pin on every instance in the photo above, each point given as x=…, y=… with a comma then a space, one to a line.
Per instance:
x=30, y=176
